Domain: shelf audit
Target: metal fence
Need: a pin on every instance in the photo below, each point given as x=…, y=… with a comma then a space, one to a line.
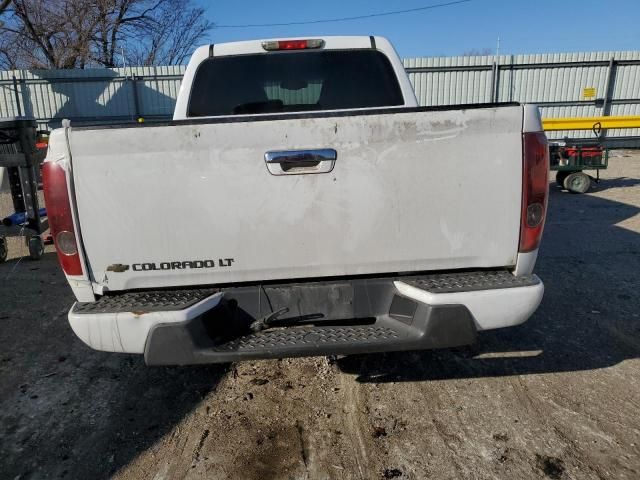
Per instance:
x=564, y=85
x=105, y=95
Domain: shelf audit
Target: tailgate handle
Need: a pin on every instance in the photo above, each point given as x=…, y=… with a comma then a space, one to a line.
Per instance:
x=318, y=155
x=296, y=162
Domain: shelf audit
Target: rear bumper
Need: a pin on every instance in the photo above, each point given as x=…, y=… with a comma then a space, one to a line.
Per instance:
x=324, y=318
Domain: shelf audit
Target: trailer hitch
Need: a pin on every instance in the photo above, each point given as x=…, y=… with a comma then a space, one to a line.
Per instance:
x=267, y=321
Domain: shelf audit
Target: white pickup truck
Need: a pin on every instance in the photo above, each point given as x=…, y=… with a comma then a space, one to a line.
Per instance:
x=299, y=203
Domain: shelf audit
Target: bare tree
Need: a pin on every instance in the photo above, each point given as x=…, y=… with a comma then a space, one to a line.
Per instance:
x=4, y=4
x=171, y=37
x=81, y=33
x=150, y=32
x=33, y=37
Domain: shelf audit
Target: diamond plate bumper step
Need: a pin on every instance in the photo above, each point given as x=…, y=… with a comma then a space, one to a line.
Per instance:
x=326, y=318
x=293, y=337
x=192, y=343
x=148, y=301
x=470, y=281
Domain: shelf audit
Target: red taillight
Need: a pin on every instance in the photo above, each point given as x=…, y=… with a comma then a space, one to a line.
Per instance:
x=56, y=196
x=274, y=45
x=535, y=189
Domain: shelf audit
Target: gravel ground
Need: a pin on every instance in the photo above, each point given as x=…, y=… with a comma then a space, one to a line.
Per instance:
x=558, y=397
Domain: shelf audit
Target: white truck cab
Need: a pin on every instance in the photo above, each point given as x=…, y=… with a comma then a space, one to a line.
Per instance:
x=299, y=203
x=207, y=53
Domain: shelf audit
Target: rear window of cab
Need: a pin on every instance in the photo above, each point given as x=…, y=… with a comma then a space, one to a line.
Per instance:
x=294, y=82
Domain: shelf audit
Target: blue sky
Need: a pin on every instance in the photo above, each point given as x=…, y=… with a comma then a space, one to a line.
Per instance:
x=524, y=26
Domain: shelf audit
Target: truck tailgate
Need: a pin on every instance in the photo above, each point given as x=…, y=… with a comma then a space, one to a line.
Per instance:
x=196, y=203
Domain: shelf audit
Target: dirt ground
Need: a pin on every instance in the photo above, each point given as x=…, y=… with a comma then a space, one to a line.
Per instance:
x=558, y=397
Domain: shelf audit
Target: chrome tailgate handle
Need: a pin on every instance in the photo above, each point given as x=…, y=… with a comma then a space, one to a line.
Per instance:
x=317, y=155
x=298, y=162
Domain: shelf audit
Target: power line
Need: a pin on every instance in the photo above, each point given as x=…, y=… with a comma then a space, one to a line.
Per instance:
x=347, y=19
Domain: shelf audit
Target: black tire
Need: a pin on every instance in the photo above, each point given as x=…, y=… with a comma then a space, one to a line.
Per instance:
x=577, y=182
x=4, y=250
x=36, y=248
x=560, y=177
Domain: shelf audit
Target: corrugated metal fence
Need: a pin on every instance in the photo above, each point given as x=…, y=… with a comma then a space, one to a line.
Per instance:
x=106, y=95
x=564, y=85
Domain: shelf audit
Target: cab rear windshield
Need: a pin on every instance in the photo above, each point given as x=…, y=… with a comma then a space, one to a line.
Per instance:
x=294, y=82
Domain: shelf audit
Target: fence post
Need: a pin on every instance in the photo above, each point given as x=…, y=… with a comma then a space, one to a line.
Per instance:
x=17, y=94
x=136, y=100
x=495, y=76
x=608, y=91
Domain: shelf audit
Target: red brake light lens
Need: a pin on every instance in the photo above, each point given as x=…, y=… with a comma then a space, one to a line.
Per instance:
x=274, y=45
x=56, y=196
x=535, y=189
x=292, y=45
